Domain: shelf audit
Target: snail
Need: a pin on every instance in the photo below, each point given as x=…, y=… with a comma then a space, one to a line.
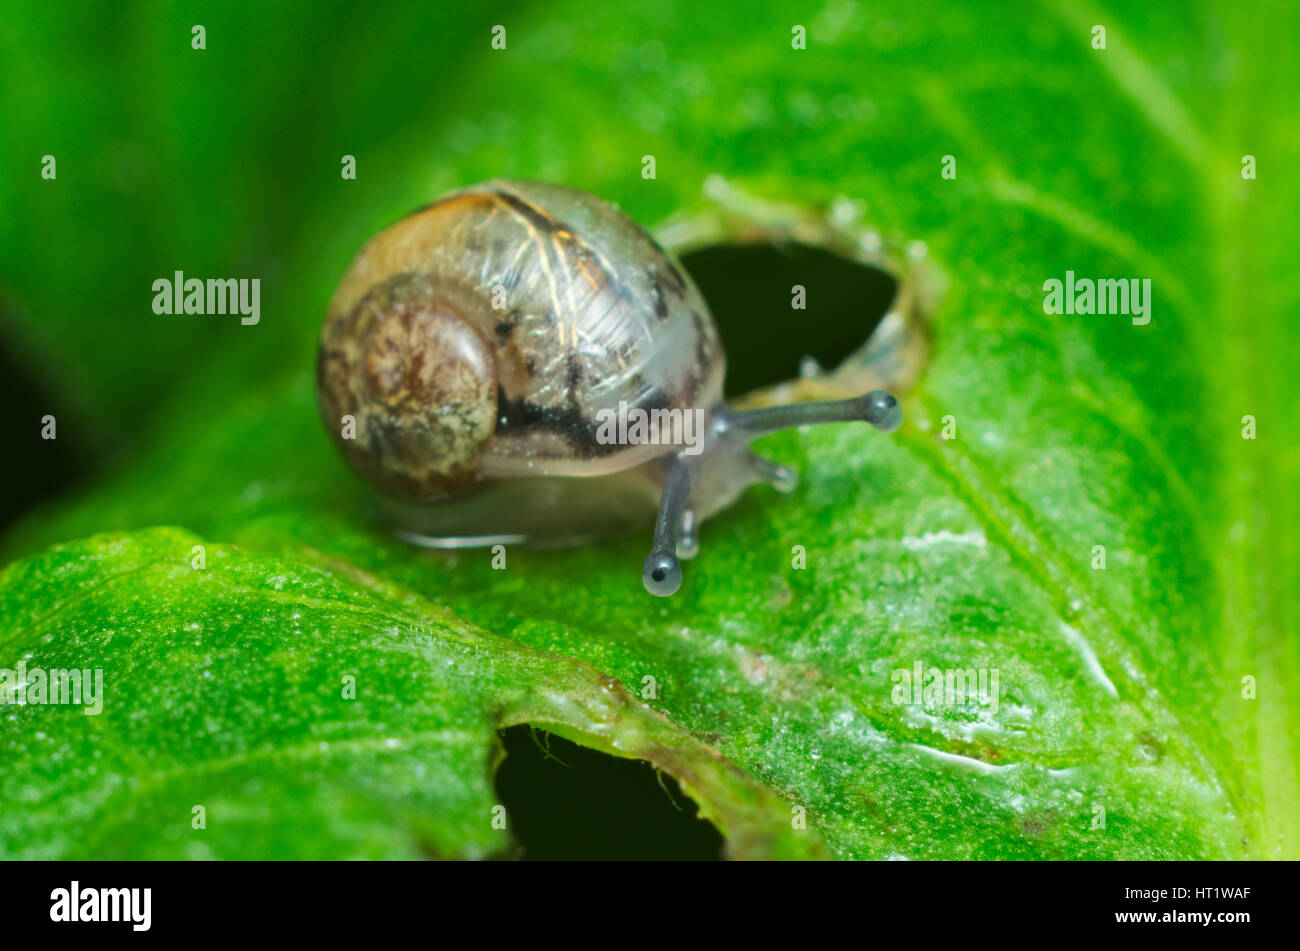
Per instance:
x=476, y=354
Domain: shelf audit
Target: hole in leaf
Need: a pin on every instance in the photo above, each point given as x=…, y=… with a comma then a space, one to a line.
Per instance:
x=749, y=288
x=577, y=803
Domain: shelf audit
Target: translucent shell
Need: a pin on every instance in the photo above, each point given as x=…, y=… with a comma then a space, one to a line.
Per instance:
x=568, y=304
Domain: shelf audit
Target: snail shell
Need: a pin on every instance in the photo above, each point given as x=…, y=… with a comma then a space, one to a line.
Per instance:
x=477, y=339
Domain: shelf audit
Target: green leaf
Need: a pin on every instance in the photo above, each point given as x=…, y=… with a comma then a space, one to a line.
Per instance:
x=1121, y=690
x=252, y=704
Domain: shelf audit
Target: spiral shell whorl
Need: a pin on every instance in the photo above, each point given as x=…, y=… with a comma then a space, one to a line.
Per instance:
x=420, y=383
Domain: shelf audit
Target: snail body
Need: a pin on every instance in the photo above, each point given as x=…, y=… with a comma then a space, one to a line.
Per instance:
x=480, y=346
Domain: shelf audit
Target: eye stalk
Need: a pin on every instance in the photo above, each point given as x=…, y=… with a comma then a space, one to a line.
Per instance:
x=733, y=430
x=662, y=573
x=878, y=408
